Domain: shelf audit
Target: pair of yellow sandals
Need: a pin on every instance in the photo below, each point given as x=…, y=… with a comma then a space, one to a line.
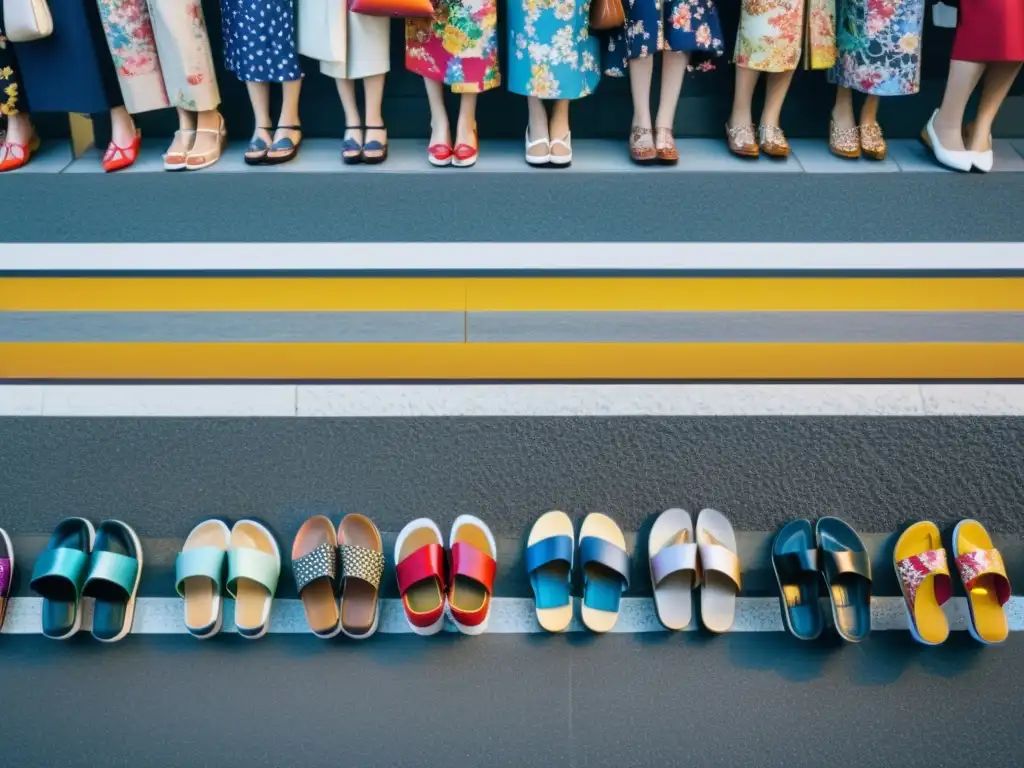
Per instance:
x=923, y=573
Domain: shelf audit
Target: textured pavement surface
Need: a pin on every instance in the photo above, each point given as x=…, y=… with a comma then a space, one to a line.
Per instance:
x=522, y=701
x=164, y=475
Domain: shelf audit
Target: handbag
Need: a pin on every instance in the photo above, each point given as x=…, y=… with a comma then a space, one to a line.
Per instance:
x=606, y=14
x=27, y=20
x=402, y=9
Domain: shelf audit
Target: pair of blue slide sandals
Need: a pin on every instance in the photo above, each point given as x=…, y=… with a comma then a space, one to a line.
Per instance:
x=603, y=560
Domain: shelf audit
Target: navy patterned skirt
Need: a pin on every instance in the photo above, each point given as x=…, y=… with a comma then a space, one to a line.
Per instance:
x=259, y=40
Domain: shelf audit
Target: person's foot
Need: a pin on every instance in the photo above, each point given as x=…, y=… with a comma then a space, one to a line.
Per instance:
x=977, y=140
x=19, y=129
x=842, y=116
x=950, y=136
x=440, y=133
x=208, y=141
x=465, y=134
x=122, y=127
x=665, y=145
x=872, y=141
x=559, y=129
x=176, y=156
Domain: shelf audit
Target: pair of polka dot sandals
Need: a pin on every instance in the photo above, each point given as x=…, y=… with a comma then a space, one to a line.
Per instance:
x=249, y=552
x=355, y=550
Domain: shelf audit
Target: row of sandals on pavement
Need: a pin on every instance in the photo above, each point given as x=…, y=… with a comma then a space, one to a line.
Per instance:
x=160, y=56
x=456, y=579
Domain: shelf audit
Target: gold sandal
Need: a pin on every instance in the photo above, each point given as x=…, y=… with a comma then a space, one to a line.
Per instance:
x=773, y=141
x=872, y=142
x=641, y=146
x=844, y=142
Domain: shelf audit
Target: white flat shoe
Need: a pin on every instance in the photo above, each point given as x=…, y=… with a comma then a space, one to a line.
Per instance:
x=563, y=161
x=982, y=161
x=537, y=160
x=958, y=160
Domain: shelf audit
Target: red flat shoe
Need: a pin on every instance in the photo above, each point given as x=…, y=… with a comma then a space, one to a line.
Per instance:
x=466, y=154
x=439, y=155
x=118, y=158
x=14, y=156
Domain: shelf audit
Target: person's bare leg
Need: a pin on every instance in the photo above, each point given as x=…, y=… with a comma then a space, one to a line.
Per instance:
x=777, y=87
x=465, y=128
x=999, y=76
x=184, y=138
x=373, y=95
x=538, y=125
x=673, y=70
x=19, y=128
x=743, y=97
x=290, y=92
x=869, y=110
x=350, y=105
x=640, y=73
x=259, y=97
x=440, y=128
x=122, y=127
x=559, y=128
x=842, y=111
x=949, y=122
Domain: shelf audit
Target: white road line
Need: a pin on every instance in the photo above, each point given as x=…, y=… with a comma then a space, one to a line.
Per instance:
x=512, y=615
x=542, y=257
x=482, y=400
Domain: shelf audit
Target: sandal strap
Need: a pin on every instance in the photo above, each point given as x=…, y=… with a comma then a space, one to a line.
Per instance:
x=913, y=571
x=350, y=145
x=550, y=550
x=252, y=564
x=677, y=558
x=425, y=563
x=846, y=562
x=358, y=562
x=374, y=146
x=61, y=563
x=282, y=145
x=720, y=559
x=207, y=562
x=257, y=144
x=473, y=563
x=112, y=568
x=984, y=562
x=321, y=562
x=595, y=550
x=5, y=577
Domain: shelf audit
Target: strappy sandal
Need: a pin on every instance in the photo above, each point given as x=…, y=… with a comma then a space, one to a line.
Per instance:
x=208, y=158
x=257, y=150
x=362, y=566
x=352, y=150
x=380, y=148
x=641, y=146
x=175, y=161
x=315, y=568
x=665, y=146
x=286, y=145
x=117, y=158
x=14, y=156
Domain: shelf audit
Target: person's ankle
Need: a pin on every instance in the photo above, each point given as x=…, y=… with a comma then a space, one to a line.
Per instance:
x=737, y=119
x=842, y=115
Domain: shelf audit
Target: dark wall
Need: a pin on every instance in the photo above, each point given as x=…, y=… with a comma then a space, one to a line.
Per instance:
x=702, y=111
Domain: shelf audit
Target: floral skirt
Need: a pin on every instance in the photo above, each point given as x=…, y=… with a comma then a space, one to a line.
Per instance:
x=771, y=33
x=553, y=55
x=458, y=46
x=12, y=92
x=879, y=46
x=162, y=54
x=664, y=25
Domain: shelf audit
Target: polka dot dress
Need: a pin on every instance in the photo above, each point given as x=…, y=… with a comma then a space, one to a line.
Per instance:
x=259, y=40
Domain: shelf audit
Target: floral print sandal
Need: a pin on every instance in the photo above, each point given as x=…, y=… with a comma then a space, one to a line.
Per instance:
x=923, y=574
x=742, y=141
x=641, y=146
x=665, y=146
x=773, y=141
x=984, y=577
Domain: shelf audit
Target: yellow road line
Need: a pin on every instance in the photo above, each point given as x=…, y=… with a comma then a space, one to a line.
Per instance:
x=510, y=294
x=510, y=361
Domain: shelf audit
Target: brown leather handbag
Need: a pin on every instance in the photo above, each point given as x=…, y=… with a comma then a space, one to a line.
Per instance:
x=606, y=14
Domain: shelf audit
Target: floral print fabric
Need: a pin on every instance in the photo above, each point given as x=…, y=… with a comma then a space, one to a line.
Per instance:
x=130, y=38
x=663, y=25
x=11, y=91
x=458, y=46
x=879, y=46
x=185, y=54
x=982, y=562
x=771, y=33
x=914, y=570
x=553, y=54
x=260, y=40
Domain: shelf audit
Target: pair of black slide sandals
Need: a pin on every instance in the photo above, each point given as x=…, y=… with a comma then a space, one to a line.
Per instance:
x=831, y=551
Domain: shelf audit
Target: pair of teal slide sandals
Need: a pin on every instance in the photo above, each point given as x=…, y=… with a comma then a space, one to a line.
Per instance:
x=80, y=561
x=603, y=559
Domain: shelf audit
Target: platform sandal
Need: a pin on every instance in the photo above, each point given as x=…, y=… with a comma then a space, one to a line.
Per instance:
x=285, y=145
x=380, y=149
x=199, y=576
x=352, y=150
x=549, y=557
x=256, y=152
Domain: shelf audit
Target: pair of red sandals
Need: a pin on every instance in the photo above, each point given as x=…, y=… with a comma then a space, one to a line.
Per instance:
x=459, y=156
x=14, y=155
x=459, y=581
